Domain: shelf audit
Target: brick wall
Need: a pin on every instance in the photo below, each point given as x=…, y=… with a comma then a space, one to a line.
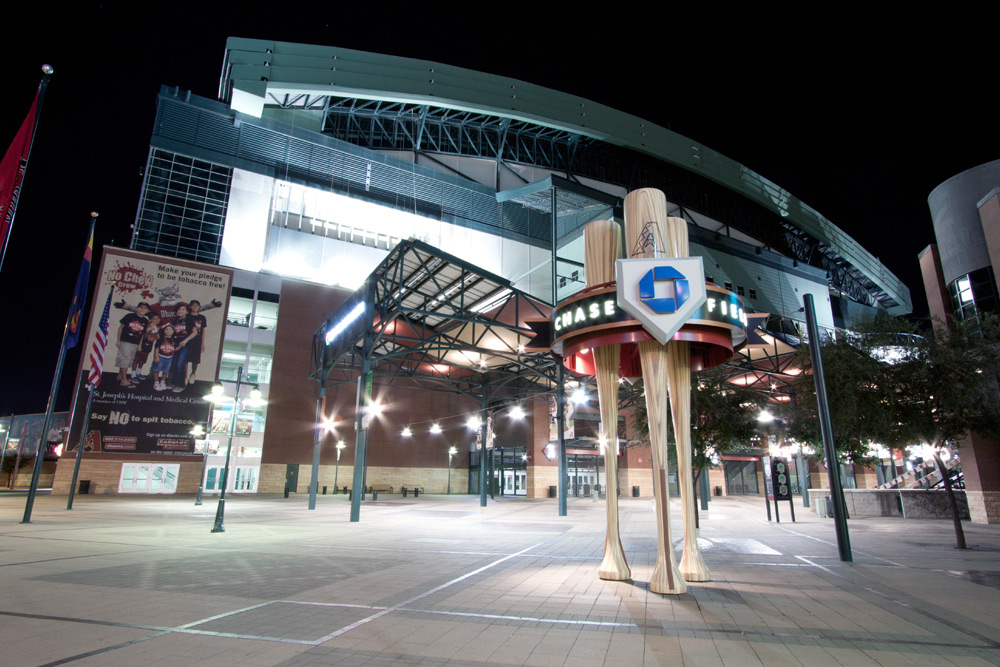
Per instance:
x=105, y=473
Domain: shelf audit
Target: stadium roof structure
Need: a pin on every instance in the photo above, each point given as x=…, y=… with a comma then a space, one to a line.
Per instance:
x=392, y=103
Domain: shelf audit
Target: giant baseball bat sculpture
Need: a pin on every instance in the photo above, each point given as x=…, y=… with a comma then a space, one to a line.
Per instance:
x=670, y=239
x=645, y=232
x=602, y=243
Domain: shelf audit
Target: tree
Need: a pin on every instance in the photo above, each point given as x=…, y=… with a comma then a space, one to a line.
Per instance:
x=724, y=416
x=856, y=392
x=887, y=384
x=947, y=387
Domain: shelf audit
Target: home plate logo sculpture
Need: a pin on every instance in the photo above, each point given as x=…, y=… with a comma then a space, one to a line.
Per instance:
x=661, y=295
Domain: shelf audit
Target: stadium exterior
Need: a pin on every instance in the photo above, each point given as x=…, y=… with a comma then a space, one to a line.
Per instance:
x=318, y=166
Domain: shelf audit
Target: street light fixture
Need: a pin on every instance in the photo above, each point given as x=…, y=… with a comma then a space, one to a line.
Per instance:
x=199, y=432
x=253, y=401
x=451, y=452
x=336, y=470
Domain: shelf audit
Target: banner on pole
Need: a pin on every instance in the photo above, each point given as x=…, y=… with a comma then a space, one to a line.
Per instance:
x=12, y=167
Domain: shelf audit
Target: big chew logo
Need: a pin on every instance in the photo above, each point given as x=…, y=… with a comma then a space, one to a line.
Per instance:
x=659, y=274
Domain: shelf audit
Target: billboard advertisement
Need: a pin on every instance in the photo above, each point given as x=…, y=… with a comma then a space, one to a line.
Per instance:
x=164, y=346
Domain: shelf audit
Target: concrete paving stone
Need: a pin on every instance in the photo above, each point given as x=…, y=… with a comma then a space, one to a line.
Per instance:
x=126, y=560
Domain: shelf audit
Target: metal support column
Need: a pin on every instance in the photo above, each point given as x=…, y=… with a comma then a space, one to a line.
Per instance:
x=361, y=441
x=826, y=428
x=482, y=451
x=561, y=437
x=804, y=481
x=317, y=444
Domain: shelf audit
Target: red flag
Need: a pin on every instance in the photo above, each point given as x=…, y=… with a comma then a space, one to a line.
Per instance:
x=12, y=171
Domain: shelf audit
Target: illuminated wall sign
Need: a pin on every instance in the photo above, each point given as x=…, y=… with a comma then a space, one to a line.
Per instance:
x=662, y=293
x=339, y=327
x=722, y=307
x=585, y=311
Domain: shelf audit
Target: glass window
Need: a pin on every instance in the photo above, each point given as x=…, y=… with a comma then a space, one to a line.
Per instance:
x=259, y=368
x=234, y=355
x=128, y=478
x=141, y=477
x=170, y=479
x=240, y=307
x=266, y=315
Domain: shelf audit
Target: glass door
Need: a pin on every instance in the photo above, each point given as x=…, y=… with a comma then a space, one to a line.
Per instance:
x=741, y=478
x=148, y=478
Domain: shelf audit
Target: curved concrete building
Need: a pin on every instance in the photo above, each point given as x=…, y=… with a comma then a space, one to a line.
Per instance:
x=959, y=273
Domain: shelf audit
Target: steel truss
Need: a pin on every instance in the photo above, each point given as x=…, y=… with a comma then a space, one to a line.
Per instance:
x=436, y=322
x=422, y=128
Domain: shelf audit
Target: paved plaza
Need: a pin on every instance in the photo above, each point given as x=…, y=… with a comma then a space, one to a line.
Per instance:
x=438, y=580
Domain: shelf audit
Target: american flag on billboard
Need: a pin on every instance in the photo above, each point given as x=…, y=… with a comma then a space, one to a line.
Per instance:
x=100, y=342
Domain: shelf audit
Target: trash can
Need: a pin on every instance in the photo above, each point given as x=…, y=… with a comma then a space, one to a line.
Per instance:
x=824, y=507
x=718, y=490
x=553, y=491
x=324, y=490
x=84, y=486
x=404, y=491
x=635, y=491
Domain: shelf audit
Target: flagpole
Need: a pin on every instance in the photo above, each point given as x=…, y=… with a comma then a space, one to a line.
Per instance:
x=46, y=424
x=79, y=448
x=93, y=380
x=42, y=87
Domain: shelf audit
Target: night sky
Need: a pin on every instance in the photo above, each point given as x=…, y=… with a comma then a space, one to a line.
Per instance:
x=858, y=118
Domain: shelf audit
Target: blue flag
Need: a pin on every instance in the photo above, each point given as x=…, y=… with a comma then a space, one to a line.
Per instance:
x=79, y=296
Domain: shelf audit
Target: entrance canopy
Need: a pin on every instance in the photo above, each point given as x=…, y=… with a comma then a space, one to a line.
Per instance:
x=425, y=319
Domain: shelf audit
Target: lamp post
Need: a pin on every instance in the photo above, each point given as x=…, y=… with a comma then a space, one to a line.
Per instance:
x=451, y=452
x=219, y=526
x=336, y=470
x=199, y=432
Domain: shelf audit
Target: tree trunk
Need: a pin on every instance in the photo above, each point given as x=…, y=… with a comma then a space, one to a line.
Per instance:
x=956, y=519
x=697, y=504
